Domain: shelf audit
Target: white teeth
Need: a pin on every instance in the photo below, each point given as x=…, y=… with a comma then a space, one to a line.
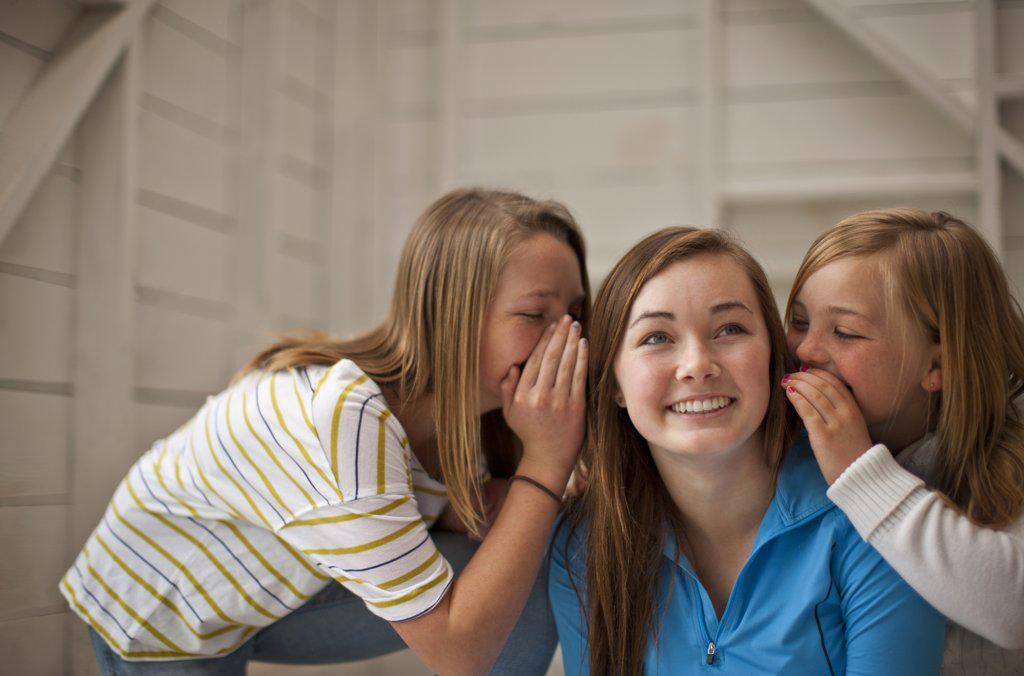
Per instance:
x=701, y=405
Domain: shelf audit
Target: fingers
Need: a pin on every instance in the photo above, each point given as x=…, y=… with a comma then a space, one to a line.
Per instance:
x=579, y=375
x=814, y=397
x=532, y=366
x=807, y=412
x=508, y=387
x=563, y=380
x=553, y=354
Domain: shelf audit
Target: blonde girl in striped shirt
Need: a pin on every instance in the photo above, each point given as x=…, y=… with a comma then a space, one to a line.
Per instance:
x=299, y=516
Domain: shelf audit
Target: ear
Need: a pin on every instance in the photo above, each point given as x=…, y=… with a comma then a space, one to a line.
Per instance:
x=619, y=399
x=932, y=381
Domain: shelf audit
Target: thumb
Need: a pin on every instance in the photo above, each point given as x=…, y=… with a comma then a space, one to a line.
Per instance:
x=508, y=388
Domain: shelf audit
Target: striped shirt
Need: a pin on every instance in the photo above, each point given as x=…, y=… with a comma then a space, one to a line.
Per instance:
x=278, y=485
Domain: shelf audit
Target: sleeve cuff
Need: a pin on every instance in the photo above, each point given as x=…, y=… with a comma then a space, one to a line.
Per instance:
x=875, y=491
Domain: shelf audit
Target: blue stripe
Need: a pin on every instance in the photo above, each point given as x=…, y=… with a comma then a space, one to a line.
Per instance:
x=359, y=433
x=148, y=489
x=220, y=441
x=434, y=605
x=273, y=436
x=154, y=568
x=239, y=561
x=200, y=490
x=360, y=570
x=99, y=605
x=309, y=382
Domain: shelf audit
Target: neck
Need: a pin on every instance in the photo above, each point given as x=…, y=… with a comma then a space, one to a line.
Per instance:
x=725, y=495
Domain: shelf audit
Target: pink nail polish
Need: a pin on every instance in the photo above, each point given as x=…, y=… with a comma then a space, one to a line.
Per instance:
x=790, y=390
x=785, y=379
x=804, y=369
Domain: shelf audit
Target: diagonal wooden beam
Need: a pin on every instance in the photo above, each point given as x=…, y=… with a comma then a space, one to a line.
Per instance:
x=39, y=127
x=921, y=81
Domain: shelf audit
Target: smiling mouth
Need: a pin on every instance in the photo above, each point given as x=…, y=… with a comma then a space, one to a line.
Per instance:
x=702, y=407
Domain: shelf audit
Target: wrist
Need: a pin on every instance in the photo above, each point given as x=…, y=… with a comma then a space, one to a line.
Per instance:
x=552, y=475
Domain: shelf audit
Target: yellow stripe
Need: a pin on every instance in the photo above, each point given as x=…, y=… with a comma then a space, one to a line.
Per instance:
x=348, y=517
x=381, y=438
x=127, y=608
x=177, y=564
x=198, y=545
x=302, y=560
x=336, y=419
x=272, y=455
x=284, y=426
x=413, y=594
x=163, y=599
x=412, y=573
x=160, y=478
x=252, y=463
x=369, y=545
x=323, y=379
x=213, y=454
x=430, y=491
x=298, y=398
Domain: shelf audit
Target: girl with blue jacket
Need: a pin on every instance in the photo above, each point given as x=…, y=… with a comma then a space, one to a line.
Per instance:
x=713, y=548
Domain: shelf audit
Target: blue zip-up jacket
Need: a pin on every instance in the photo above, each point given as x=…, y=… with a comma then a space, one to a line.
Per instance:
x=812, y=598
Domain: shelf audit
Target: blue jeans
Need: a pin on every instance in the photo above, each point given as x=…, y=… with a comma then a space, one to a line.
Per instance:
x=334, y=626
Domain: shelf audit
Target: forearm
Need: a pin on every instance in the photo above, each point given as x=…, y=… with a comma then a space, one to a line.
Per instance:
x=469, y=628
x=972, y=574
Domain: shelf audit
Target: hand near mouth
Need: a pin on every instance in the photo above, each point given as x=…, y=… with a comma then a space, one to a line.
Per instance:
x=834, y=422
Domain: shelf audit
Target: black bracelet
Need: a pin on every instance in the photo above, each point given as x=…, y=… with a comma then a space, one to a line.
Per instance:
x=534, y=482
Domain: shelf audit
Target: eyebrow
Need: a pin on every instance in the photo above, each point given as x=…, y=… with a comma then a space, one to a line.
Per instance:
x=836, y=310
x=543, y=294
x=715, y=309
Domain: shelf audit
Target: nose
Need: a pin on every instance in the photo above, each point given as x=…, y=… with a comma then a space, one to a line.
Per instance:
x=810, y=350
x=696, y=363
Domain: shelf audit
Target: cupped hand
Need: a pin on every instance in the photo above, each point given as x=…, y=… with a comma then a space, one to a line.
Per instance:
x=545, y=404
x=834, y=422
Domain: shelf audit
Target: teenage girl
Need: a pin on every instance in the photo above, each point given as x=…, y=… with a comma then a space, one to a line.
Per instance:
x=328, y=462
x=912, y=349
x=701, y=545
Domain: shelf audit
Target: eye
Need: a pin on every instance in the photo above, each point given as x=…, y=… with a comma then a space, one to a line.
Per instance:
x=798, y=323
x=656, y=338
x=731, y=330
x=532, y=316
x=843, y=335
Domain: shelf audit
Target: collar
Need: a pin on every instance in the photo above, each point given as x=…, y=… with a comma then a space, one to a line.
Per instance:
x=800, y=493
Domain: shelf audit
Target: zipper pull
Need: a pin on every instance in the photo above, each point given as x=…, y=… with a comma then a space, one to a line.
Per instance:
x=711, y=652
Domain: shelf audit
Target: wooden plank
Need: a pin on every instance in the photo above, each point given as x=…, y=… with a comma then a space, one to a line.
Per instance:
x=822, y=187
x=35, y=435
x=491, y=13
x=18, y=70
x=180, y=351
x=990, y=182
x=23, y=650
x=35, y=131
x=40, y=23
x=35, y=557
x=36, y=329
x=104, y=325
x=1009, y=46
x=45, y=235
x=711, y=97
x=216, y=17
x=155, y=421
x=179, y=256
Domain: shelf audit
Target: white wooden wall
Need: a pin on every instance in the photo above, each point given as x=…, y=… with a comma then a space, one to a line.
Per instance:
x=280, y=150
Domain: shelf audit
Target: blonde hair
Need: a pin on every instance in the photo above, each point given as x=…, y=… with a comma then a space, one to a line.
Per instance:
x=430, y=340
x=945, y=279
x=625, y=501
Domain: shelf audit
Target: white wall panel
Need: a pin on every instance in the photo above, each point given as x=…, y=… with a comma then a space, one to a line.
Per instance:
x=177, y=162
x=217, y=17
x=35, y=326
x=840, y=129
x=403, y=18
x=298, y=128
x=1009, y=29
x=180, y=352
x=500, y=13
x=296, y=292
x=580, y=142
x=35, y=558
x=17, y=71
x=155, y=421
x=25, y=653
x=186, y=73
x=40, y=23
x=295, y=205
x=175, y=255
x=301, y=44
x=34, y=430
x=410, y=75
x=940, y=42
x=44, y=237
x=582, y=65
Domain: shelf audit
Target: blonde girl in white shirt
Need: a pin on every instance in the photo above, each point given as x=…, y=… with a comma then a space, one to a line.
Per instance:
x=330, y=462
x=911, y=348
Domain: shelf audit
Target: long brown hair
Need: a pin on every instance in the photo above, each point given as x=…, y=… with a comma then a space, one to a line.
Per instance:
x=625, y=502
x=941, y=274
x=430, y=340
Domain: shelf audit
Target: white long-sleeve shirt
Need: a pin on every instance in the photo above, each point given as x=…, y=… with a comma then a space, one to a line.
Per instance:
x=972, y=574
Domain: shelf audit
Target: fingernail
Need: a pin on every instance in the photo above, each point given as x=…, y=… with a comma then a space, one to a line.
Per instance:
x=575, y=326
x=566, y=319
x=583, y=341
x=804, y=369
x=790, y=390
x=785, y=379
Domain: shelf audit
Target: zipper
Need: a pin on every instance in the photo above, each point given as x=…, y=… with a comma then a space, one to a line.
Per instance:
x=711, y=652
